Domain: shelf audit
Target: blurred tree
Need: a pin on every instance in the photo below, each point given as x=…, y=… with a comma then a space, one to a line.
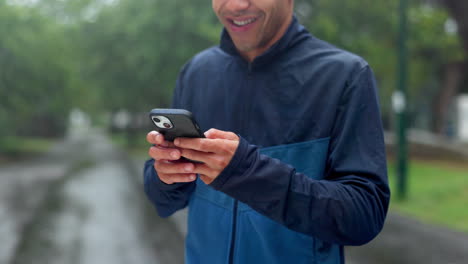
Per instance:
x=104, y=55
x=34, y=75
x=458, y=9
x=372, y=33
x=135, y=49
x=454, y=75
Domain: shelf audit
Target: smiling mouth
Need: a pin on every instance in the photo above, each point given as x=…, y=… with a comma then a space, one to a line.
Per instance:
x=241, y=23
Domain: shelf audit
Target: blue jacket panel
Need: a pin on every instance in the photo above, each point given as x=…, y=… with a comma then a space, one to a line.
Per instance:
x=309, y=175
x=258, y=239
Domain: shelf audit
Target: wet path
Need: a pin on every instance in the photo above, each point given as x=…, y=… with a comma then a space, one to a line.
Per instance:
x=89, y=208
x=23, y=187
x=407, y=241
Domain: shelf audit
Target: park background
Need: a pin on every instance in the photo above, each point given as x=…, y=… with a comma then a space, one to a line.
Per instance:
x=77, y=78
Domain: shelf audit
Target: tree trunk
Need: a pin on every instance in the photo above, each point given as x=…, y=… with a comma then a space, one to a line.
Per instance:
x=454, y=73
x=458, y=9
x=452, y=77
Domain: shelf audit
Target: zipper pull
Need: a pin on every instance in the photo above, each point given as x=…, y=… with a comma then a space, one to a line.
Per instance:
x=249, y=70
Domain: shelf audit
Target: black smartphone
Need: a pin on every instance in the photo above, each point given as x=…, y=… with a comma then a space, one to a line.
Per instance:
x=174, y=123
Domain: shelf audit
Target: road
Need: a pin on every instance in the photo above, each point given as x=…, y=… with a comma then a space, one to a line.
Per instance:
x=81, y=203
x=407, y=241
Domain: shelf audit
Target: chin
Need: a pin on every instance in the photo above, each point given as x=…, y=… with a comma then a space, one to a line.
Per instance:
x=245, y=46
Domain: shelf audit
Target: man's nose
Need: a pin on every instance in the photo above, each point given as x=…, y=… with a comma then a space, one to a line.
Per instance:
x=238, y=5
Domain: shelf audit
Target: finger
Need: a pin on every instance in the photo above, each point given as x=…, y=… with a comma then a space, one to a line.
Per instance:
x=195, y=155
x=219, y=146
x=204, y=169
x=216, y=133
x=160, y=153
x=212, y=160
x=206, y=179
x=175, y=178
x=174, y=168
x=154, y=137
x=201, y=144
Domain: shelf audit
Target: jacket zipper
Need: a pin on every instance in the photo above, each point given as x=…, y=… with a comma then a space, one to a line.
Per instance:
x=249, y=70
x=233, y=235
x=234, y=211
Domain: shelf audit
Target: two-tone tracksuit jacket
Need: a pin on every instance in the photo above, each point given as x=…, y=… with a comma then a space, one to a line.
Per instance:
x=309, y=175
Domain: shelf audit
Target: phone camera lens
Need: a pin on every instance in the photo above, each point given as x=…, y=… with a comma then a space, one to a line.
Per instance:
x=167, y=125
x=157, y=120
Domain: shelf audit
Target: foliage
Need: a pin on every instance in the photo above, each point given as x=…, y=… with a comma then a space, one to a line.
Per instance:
x=136, y=49
x=103, y=56
x=16, y=146
x=372, y=32
x=35, y=74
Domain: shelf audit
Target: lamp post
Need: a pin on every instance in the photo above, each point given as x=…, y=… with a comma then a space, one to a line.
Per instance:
x=400, y=101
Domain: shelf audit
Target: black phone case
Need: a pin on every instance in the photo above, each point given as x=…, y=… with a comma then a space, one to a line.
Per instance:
x=184, y=125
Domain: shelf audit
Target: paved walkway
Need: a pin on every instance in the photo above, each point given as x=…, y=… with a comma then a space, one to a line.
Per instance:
x=81, y=203
x=405, y=240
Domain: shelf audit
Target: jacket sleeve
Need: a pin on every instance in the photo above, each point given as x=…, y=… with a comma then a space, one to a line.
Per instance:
x=167, y=198
x=349, y=206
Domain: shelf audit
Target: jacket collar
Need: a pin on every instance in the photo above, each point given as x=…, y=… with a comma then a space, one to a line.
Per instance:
x=292, y=36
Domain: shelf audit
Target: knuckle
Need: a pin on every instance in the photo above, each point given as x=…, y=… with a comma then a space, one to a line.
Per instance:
x=219, y=162
x=223, y=163
x=207, y=144
x=224, y=149
x=201, y=144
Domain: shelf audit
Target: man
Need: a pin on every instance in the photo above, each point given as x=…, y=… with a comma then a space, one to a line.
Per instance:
x=295, y=168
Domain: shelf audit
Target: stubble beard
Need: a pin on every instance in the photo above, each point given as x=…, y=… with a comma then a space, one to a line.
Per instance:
x=258, y=43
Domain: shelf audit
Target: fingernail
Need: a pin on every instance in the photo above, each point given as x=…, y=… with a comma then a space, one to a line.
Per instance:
x=158, y=137
x=175, y=154
x=176, y=141
x=192, y=177
x=188, y=167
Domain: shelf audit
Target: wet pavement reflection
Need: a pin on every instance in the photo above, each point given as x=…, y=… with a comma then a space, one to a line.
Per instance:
x=81, y=203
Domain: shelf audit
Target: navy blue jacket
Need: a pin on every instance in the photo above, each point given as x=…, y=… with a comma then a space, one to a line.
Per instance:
x=309, y=175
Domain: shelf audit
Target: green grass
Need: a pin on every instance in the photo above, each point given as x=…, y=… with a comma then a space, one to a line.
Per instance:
x=138, y=146
x=437, y=193
x=21, y=146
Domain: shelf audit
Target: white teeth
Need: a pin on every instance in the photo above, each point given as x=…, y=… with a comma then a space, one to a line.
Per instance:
x=243, y=22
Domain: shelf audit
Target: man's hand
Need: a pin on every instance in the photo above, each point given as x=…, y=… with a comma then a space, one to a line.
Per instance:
x=215, y=151
x=166, y=155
